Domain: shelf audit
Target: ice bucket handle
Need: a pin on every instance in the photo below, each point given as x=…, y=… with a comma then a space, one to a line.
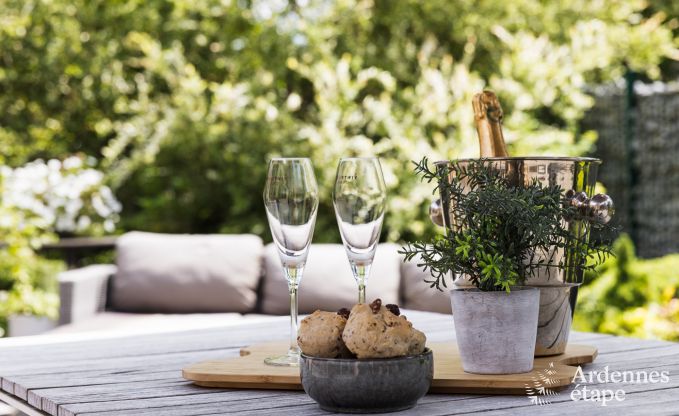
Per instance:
x=599, y=208
x=436, y=212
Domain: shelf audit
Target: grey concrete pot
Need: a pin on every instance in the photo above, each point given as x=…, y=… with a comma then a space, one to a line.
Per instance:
x=557, y=304
x=496, y=331
x=25, y=325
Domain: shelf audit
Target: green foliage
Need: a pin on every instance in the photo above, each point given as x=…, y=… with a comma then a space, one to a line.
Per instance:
x=501, y=233
x=27, y=281
x=182, y=101
x=631, y=296
x=27, y=300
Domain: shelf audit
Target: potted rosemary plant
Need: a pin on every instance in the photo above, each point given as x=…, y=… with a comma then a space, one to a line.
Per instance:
x=499, y=235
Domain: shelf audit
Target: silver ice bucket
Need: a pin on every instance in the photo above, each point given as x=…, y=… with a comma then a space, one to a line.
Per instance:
x=558, y=289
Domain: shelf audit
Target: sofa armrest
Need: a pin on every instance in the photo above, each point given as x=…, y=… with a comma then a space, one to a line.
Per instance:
x=83, y=292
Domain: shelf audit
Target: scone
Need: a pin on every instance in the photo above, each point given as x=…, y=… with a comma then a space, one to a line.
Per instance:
x=320, y=334
x=376, y=331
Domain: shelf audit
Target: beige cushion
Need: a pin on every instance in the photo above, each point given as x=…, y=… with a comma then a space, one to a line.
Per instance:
x=327, y=282
x=418, y=295
x=169, y=273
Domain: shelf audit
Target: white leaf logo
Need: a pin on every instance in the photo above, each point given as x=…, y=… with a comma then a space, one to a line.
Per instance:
x=538, y=392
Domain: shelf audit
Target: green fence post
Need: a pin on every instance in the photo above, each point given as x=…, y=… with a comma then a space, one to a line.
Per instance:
x=630, y=152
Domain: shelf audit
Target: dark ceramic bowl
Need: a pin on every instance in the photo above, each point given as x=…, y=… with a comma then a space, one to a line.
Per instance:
x=367, y=386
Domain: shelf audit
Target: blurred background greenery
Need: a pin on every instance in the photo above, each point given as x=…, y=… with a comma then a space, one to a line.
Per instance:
x=179, y=104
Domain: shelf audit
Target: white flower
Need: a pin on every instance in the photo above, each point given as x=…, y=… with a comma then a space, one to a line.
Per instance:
x=266, y=9
x=271, y=113
x=52, y=164
x=65, y=224
x=109, y=226
x=293, y=102
x=100, y=207
x=62, y=196
x=84, y=223
x=110, y=200
x=72, y=162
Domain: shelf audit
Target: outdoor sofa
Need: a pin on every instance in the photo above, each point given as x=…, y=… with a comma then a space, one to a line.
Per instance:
x=176, y=282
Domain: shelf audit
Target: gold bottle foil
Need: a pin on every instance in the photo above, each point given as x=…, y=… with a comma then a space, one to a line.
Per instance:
x=488, y=118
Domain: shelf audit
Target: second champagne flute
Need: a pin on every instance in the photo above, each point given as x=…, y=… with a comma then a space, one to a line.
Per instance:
x=360, y=198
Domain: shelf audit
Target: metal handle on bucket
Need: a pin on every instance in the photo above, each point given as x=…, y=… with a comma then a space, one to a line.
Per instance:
x=436, y=212
x=599, y=208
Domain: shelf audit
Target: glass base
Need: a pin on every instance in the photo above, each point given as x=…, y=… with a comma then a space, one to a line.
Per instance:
x=288, y=360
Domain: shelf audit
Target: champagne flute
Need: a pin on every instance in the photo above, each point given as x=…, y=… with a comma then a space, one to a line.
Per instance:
x=291, y=201
x=360, y=198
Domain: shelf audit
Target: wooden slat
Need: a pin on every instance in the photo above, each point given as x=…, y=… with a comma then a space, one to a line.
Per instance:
x=22, y=389
x=195, y=405
x=162, y=405
x=20, y=405
x=643, y=403
x=7, y=386
x=147, y=345
x=72, y=366
x=154, y=404
x=50, y=399
x=108, y=371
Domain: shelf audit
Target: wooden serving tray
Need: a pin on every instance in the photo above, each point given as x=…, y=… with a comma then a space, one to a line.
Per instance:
x=249, y=371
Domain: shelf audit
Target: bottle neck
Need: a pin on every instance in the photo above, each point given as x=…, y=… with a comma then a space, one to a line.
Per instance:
x=488, y=117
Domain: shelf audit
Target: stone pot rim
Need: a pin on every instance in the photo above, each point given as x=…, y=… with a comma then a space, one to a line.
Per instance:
x=494, y=292
x=561, y=284
x=29, y=315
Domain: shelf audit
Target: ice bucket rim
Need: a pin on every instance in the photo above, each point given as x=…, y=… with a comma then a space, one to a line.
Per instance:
x=522, y=158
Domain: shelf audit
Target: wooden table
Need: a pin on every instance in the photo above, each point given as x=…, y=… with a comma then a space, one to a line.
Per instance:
x=141, y=376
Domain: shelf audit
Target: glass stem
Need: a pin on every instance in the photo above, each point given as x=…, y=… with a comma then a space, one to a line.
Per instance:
x=293, y=275
x=361, y=272
x=361, y=292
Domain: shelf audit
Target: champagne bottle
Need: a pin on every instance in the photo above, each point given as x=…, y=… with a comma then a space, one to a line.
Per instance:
x=488, y=118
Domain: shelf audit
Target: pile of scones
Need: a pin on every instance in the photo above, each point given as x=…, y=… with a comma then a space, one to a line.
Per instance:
x=367, y=331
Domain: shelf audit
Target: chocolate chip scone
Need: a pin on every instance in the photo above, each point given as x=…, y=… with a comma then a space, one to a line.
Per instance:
x=320, y=334
x=376, y=331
